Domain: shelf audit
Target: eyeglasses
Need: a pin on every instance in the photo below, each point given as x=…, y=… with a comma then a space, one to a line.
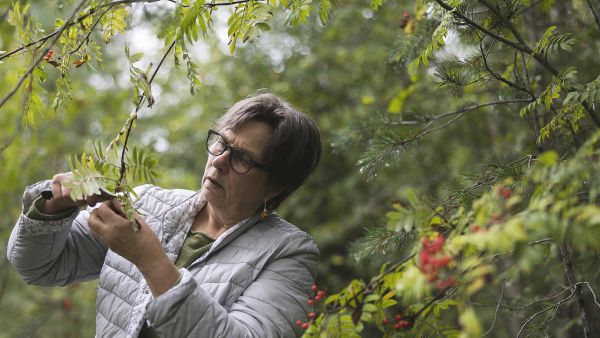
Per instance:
x=239, y=160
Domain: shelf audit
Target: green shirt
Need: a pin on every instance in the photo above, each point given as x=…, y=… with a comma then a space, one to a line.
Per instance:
x=194, y=246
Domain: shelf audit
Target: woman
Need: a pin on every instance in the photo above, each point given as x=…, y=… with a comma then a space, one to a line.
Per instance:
x=213, y=263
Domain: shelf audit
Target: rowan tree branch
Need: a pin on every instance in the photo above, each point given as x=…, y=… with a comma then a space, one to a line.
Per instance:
x=40, y=56
x=133, y=116
x=70, y=22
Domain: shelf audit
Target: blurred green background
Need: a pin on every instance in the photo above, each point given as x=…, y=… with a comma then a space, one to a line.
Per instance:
x=348, y=75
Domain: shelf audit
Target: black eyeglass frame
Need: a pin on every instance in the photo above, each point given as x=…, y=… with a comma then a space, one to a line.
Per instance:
x=234, y=152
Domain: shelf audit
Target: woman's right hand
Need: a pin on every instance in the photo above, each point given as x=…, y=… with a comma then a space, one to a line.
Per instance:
x=61, y=196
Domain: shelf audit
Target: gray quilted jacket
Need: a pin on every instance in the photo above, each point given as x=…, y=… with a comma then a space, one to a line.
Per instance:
x=253, y=282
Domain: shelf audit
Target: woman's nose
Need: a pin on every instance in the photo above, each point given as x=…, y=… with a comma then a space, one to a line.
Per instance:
x=221, y=162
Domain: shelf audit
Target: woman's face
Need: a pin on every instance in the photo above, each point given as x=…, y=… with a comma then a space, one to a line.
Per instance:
x=235, y=195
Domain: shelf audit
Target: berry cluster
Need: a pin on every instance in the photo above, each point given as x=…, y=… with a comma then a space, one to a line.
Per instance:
x=431, y=260
x=318, y=296
x=399, y=322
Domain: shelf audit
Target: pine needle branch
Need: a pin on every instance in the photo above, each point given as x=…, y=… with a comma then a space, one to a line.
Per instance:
x=520, y=45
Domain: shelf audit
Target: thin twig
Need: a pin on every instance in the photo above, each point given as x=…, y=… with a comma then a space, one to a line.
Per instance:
x=498, y=76
x=91, y=30
x=544, y=310
x=133, y=116
x=496, y=312
x=40, y=57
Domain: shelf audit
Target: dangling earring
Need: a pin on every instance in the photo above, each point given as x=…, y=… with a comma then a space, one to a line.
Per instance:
x=264, y=214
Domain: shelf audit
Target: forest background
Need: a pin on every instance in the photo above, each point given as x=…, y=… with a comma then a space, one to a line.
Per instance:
x=457, y=193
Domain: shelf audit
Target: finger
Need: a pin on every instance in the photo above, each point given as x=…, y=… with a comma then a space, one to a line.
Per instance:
x=96, y=224
x=108, y=214
x=56, y=189
x=117, y=207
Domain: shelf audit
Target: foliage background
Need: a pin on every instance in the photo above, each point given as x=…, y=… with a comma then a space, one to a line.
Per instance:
x=351, y=75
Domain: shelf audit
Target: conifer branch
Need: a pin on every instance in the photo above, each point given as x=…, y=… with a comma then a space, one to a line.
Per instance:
x=521, y=46
x=498, y=76
x=41, y=56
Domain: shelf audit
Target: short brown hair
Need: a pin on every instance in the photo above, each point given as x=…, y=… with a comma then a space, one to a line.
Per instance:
x=295, y=147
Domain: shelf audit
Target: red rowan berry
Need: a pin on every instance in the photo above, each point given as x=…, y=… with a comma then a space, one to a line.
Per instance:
x=48, y=55
x=305, y=326
x=311, y=302
x=314, y=287
x=321, y=294
x=398, y=317
x=398, y=327
x=312, y=315
x=298, y=322
x=385, y=321
x=505, y=192
x=403, y=323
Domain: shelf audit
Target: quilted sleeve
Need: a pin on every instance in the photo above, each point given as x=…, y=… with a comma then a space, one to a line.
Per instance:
x=54, y=252
x=269, y=306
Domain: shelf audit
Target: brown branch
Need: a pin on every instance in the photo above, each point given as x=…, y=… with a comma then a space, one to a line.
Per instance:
x=570, y=275
x=461, y=113
x=40, y=57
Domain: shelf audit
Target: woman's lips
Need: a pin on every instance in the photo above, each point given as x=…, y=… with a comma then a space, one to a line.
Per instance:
x=214, y=182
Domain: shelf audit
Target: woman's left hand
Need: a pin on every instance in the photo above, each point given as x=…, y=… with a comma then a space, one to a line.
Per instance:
x=142, y=248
